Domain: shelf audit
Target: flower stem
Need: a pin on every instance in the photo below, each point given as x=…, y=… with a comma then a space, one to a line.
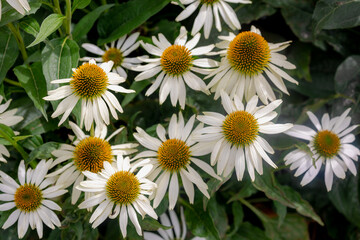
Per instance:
x=19, y=40
x=68, y=18
x=253, y=209
x=12, y=82
x=57, y=7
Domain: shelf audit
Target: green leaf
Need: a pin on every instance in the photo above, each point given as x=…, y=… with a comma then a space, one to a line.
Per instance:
x=346, y=198
x=58, y=58
x=6, y=131
x=86, y=23
x=281, y=211
x=43, y=152
x=249, y=232
x=218, y=215
x=126, y=17
x=248, y=13
x=8, y=52
x=300, y=56
x=150, y=224
x=285, y=195
x=80, y=4
x=246, y=191
x=238, y=216
x=33, y=81
x=9, y=14
x=48, y=26
x=138, y=87
x=30, y=25
x=334, y=14
x=347, y=74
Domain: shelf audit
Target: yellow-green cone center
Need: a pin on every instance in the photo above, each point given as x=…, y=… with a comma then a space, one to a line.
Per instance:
x=173, y=154
x=176, y=60
x=248, y=53
x=28, y=197
x=327, y=143
x=114, y=55
x=208, y=2
x=123, y=187
x=89, y=81
x=91, y=153
x=240, y=128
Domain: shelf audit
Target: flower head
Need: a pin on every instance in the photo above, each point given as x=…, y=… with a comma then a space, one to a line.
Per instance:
x=209, y=10
x=330, y=144
x=88, y=153
x=173, y=156
x=235, y=138
x=31, y=198
x=118, y=190
x=174, y=66
x=7, y=118
x=90, y=84
x=246, y=57
x=117, y=52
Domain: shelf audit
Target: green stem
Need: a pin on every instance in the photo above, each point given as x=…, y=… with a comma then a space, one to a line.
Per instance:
x=19, y=40
x=16, y=146
x=253, y=209
x=57, y=7
x=12, y=82
x=68, y=18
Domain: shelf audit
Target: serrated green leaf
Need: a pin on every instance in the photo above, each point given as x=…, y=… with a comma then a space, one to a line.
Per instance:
x=9, y=14
x=126, y=17
x=48, y=26
x=334, y=14
x=30, y=25
x=43, y=152
x=80, y=4
x=86, y=23
x=9, y=52
x=33, y=81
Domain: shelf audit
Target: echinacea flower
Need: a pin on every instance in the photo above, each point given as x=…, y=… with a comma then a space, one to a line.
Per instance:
x=117, y=52
x=31, y=198
x=177, y=232
x=88, y=153
x=90, y=84
x=235, y=138
x=173, y=156
x=7, y=118
x=174, y=66
x=209, y=11
x=330, y=144
x=246, y=57
x=21, y=6
x=118, y=190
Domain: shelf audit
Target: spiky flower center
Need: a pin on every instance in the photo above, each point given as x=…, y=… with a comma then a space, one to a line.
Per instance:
x=176, y=60
x=115, y=55
x=240, y=128
x=89, y=81
x=28, y=197
x=327, y=143
x=248, y=53
x=91, y=153
x=123, y=187
x=208, y=2
x=173, y=154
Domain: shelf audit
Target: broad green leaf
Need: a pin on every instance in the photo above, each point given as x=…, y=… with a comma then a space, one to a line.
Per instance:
x=150, y=224
x=347, y=73
x=6, y=131
x=48, y=26
x=334, y=14
x=300, y=56
x=58, y=58
x=86, y=23
x=238, y=216
x=8, y=51
x=245, y=191
x=285, y=195
x=138, y=87
x=249, y=232
x=80, y=4
x=43, y=152
x=247, y=13
x=126, y=17
x=346, y=198
x=30, y=25
x=33, y=81
x=281, y=211
x=299, y=20
x=218, y=214
x=9, y=14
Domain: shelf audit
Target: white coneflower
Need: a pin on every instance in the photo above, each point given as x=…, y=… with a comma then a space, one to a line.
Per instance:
x=174, y=66
x=117, y=52
x=30, y=198
x=209, y=11
x=21, y=6
x=330, y=145
x=173, y=156
x=90, y=84
x=246, y=57
x=7, y=118
x=235, y=138
x=119, y=191
x=88, y=153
